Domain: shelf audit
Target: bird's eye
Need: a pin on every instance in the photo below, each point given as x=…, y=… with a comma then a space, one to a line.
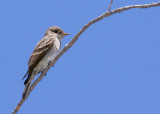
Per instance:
x=55, y=31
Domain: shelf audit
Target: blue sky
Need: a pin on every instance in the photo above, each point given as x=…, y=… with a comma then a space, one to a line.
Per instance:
x=114, y=67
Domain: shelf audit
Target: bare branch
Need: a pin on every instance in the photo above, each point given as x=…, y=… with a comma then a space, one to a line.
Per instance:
x=106, y=14
x=110, y=5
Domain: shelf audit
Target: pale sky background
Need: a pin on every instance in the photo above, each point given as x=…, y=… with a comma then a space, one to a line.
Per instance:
x=114, y=67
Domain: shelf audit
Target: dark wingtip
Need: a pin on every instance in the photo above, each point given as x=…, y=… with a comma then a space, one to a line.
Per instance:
x=26, y=81
x=26, y=90
x=25, y=75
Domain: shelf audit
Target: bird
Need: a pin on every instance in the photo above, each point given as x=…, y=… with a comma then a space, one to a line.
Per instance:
x=44, y=52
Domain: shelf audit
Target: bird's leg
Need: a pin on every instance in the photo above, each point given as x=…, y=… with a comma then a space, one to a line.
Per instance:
x=42, y=73
x=49, y=63
x=46, y=74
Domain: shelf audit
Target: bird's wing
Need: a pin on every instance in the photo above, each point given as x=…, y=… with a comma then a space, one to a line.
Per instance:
x=39, y=52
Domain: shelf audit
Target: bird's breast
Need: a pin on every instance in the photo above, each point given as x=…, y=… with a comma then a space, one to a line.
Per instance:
x=50, y=55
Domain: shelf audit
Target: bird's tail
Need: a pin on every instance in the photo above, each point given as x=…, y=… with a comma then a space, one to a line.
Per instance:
x=27, y=83
x=26, y=89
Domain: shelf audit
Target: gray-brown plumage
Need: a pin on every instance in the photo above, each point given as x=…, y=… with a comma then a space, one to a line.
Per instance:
x=44, y=52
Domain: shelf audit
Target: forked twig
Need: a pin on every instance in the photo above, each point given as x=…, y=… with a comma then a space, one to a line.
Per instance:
x=110, y=5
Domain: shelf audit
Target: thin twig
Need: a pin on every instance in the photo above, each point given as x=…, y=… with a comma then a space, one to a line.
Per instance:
x=110, y=5
x=106, y=14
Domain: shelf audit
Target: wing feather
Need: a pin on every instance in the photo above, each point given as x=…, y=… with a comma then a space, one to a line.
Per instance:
x=39, y=52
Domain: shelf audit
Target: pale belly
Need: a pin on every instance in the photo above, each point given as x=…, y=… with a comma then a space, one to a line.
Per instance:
x=50, y=55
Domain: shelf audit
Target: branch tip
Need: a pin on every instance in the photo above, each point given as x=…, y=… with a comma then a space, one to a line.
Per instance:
x=110, y=5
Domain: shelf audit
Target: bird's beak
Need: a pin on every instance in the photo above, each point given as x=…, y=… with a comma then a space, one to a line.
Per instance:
x=65, y=34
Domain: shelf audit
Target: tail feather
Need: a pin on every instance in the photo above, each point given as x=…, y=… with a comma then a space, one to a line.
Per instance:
x=25, y=74
x=26, y=89
x=28, y=82
x=28, y=77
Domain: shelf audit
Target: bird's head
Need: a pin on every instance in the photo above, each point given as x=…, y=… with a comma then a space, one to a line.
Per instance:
x=57, y=32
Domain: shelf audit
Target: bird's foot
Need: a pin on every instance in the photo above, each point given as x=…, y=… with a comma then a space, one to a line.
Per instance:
x=42, y=73
x=49, y=63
